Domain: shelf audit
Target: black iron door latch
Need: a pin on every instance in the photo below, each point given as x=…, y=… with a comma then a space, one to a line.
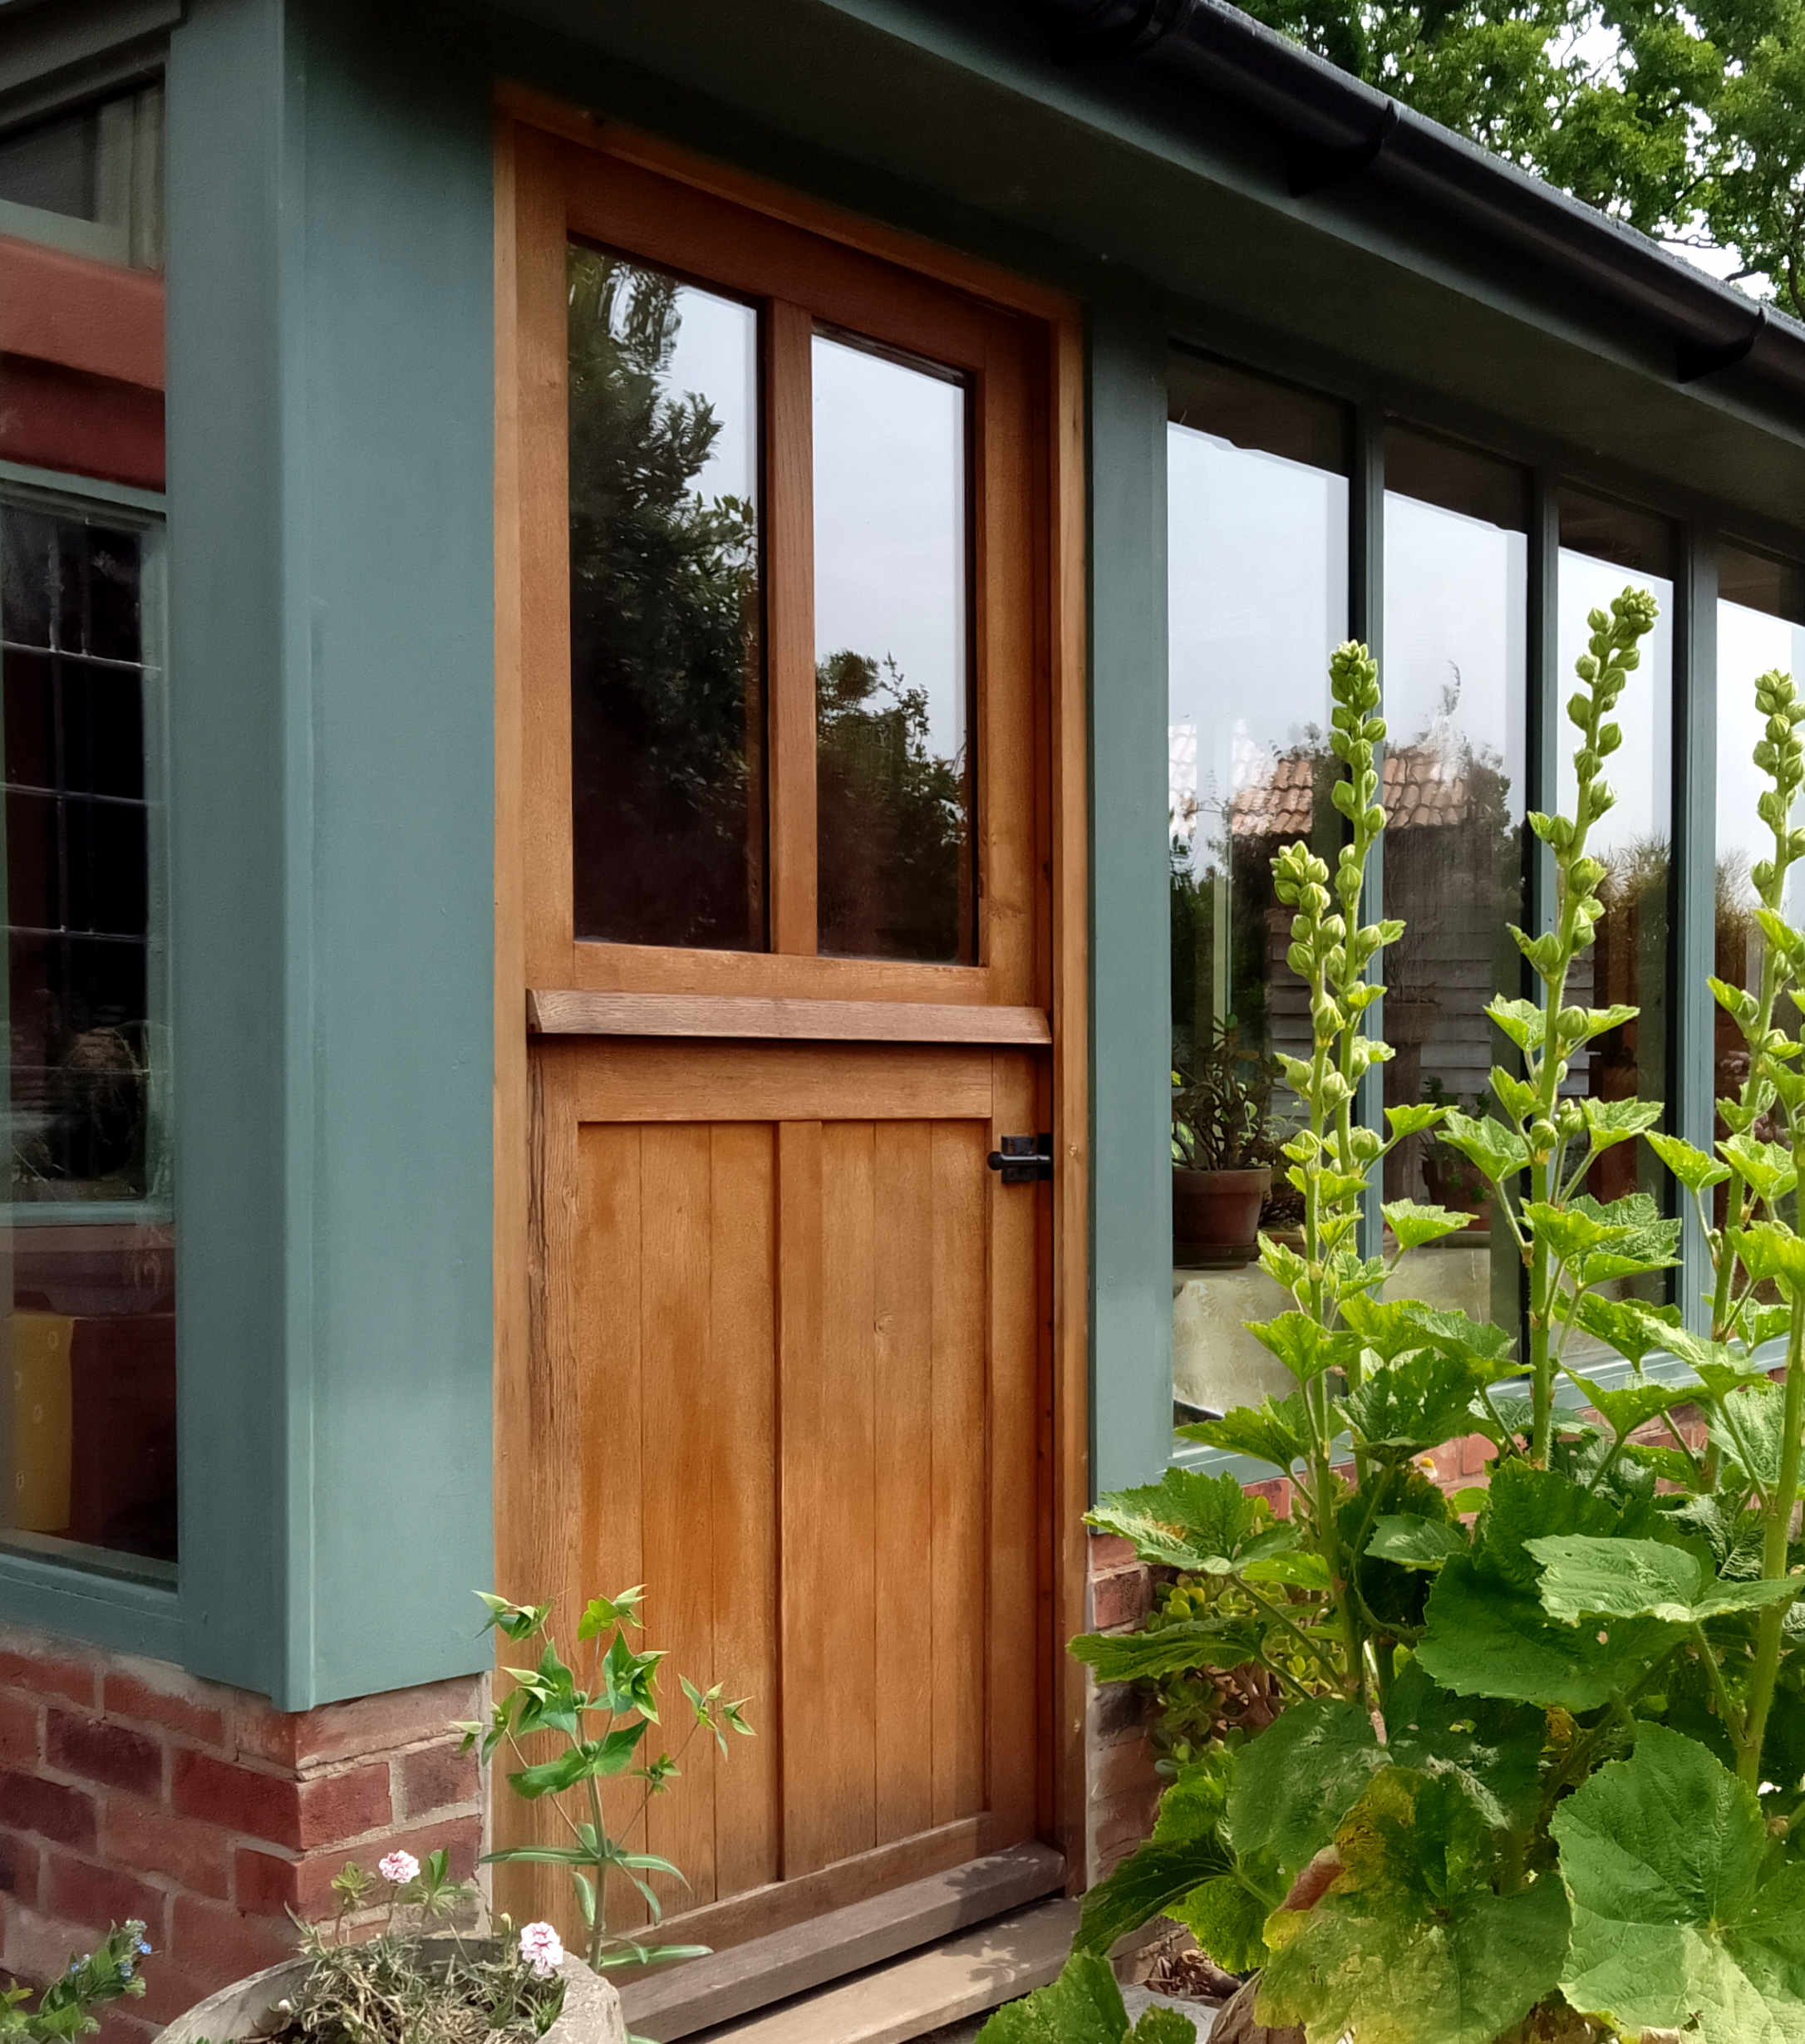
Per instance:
x=1023, y=1160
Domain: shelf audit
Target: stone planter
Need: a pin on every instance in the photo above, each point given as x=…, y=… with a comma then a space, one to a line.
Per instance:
x=1216, y=1213
x=590, y=2013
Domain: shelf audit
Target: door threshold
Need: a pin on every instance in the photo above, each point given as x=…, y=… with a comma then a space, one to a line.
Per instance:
x=961, y=1977
x=841, y=1946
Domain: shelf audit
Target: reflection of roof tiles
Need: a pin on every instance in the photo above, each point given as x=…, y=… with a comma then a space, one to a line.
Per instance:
x=1419, y=787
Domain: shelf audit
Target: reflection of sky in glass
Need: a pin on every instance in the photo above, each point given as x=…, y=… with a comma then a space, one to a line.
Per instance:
x=715, y=356
x=1257, y=567
x=890, y=525
x=1640, y=771
x=1454, y=637
x=1748, y=643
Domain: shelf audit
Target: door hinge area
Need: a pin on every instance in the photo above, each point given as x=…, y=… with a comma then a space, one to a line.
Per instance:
x=1023, y=1160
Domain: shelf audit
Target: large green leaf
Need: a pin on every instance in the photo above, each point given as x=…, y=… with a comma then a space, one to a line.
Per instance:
x=1459, y=1333
x=1228, y=1921
x=1635, y=1331
x=1630, y=1405
x=1293, y=1784
x=1487, y=1634
x=1275, y=1432
x=1414, y=1226
x=1187, y=1520
x=1691, y=1167
x=1749, y=1427
x=1303, y=1345
x=1414, y=1542
x=1410, y=1944
x=1148, y=1883
x=1500, y=1152
x=1168, y=1649
x=1291, y=1787
x=1418, y=1402
x=1610, y=1122
x=1585, y=1578
x=1674, y=1926
x=1083, y=2006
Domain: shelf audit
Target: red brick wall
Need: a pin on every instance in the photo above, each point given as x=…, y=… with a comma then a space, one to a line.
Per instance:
x=128, y=1788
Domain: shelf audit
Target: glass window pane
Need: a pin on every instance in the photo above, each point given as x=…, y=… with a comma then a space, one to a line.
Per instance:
x=1760, y=625
x=1455, y=668
x=1258, y=598
x=87, y=1415
x=1605, y=547
x=895, y=772
x=89, y=180
x=666, y=663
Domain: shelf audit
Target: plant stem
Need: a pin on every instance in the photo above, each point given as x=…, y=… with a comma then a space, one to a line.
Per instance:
x=1776, y=1536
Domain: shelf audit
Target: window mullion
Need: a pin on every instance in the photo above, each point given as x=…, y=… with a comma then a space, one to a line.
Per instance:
x=789, y=624
x=1692, y=1110
x=1543, y=755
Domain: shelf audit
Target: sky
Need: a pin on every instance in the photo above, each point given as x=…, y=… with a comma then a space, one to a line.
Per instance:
x=890, y=469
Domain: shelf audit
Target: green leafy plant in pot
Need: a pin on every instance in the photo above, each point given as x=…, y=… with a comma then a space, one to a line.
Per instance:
x=1547, y=1777
x=1223, y=1148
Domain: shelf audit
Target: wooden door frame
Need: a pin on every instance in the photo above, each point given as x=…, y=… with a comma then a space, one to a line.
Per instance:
x=1061, y=654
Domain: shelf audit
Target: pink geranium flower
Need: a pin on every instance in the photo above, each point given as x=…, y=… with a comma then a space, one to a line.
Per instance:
x=542, y=1949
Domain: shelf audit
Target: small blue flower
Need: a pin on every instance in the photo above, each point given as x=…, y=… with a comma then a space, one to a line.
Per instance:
x=125, y=1969
x=144, y=1947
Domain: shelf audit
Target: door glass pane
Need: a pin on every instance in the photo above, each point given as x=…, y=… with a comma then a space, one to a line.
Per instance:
x=893, y=636
x=666, y=663
x=87, y=1400
x=1457, y=576
x=1257, y=599
x=1605, y=547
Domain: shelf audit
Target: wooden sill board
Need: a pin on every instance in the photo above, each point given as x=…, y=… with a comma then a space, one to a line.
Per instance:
x=573, y=1012
x=968, y=1975
x=685, y=1999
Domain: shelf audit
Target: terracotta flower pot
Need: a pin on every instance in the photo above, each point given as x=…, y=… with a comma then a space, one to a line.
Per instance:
x=1216, y=1213
x=590, y=2013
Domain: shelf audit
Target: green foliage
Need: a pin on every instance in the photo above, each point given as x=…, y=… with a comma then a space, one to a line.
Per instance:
x=1083, y=2006
x=1689, y=124
x=1683, y=1919
x=1220, y=1104
x=598, y=1731
x=1412, y=1940
x=1531, y=1763
x=66, y=2008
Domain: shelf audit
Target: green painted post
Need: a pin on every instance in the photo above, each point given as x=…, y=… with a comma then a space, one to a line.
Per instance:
x=1693, y=1109
x=331, y=410
x=1131, y=1103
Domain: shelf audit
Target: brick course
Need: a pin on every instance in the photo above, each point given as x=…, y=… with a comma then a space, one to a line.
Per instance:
x=129, y=1788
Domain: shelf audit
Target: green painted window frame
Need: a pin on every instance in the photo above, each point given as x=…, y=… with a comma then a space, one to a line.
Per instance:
x=1701, y=526
x=105, y=1598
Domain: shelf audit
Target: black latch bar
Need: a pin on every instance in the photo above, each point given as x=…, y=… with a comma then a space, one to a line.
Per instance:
x=1023, y=1160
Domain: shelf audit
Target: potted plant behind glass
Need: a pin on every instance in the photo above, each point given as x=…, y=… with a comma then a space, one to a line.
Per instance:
x=1223, y=1149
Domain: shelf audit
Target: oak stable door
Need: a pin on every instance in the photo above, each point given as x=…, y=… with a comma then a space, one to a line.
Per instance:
x=775, y=811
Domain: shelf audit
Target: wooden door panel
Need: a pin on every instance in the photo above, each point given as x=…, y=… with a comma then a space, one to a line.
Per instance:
x=776, y=1342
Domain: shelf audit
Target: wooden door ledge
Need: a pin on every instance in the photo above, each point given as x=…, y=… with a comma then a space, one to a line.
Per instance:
x=961, y=1977
x=982, y=1947
x=573, y=1012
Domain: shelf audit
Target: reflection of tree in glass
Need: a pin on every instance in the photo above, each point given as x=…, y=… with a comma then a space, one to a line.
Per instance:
x=894, y=877
x=667, y=719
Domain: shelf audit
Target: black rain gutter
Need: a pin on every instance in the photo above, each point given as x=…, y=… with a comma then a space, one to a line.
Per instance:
x=1338, y=131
